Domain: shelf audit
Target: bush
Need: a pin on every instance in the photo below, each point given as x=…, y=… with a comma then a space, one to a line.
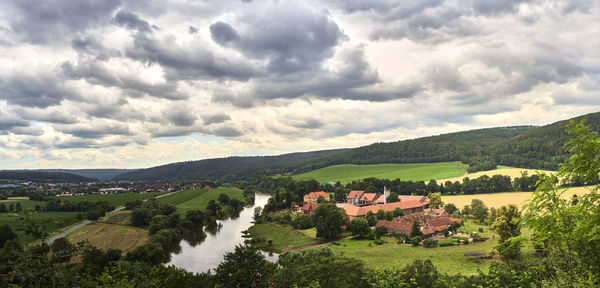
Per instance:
x=446, y=243
x=378, y=241
x=416, y=240
x=430, y=243
x=302, y=221
x=478, y=238
x=466, y=241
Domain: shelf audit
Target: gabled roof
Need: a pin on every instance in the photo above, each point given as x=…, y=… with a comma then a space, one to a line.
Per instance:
x=361, y=211
x=355, y=193
x=316, y=195
x=370, y=197
x=381, y=199
x=310, y=206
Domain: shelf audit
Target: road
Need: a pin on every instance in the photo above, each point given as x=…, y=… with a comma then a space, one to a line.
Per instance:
x=86, y=222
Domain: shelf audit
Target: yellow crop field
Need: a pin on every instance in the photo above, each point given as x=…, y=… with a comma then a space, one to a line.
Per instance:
x=104, y=235
x=499, y=199
x=503, y=170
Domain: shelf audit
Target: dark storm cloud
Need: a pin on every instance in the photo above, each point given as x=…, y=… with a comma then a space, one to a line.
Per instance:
x=191, y=62
x=96, y=130
x=90, y=45
x=35, y=91
x=8, y=122
x=40, y=21
x=131, y=21
x=180, y=116
x=95, y=73
x=215, y=118
x=227, y=131
x=306, y=38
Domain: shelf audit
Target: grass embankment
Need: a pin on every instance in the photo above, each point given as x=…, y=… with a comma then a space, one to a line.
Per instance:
x=504, y=198
x=112, y=199
x=283, y=236
x=414, y=172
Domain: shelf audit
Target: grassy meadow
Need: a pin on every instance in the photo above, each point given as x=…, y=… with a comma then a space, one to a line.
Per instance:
x=52, y=221
x=419, y=171
x=283, y=236
x=105, y=235
x=197, y=199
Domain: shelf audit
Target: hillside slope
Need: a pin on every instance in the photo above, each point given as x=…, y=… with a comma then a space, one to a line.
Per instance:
x=46, y=177
x=519, y=146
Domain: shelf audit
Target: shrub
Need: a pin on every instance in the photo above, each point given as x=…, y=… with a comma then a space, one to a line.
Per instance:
x=416, y=240
x=478, y=238
x=430, y=243
x=378, y=241
x=448, y=242
x=302, y=221
x=466, y=241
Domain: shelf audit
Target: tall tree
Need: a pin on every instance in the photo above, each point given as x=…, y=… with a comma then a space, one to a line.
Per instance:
x=479, y=210
x=508, y=222
x=329, y=220
x=435, y=200
x=416, y=229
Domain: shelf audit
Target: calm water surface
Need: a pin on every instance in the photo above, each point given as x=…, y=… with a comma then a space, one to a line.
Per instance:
x=210, y=252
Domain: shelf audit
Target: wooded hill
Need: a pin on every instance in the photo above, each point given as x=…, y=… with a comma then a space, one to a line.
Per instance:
x=43, y=177
x=519, y=146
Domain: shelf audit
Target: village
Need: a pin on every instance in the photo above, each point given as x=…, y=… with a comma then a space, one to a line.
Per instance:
x=432, y=221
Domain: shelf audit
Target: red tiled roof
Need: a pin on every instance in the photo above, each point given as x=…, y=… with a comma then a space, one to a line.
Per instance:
x=309, y=206
x=421, y=199
x=362, y=211
x=459, y=220
x=370, y=197
x=354, y=193
x=316, y=195
x=381, y=199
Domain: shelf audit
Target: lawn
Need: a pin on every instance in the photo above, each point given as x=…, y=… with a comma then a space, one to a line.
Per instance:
x=112, y=199
x=415, y=172
x=25, y=202
x=52, y=222
x=447, y=259
x=104, y=235
x=283, y=236
x=499, y=199
x=201, y=200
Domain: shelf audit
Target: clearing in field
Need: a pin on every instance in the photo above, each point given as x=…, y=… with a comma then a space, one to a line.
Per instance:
x=499, y=199
x=104, y=235
x=414, y=172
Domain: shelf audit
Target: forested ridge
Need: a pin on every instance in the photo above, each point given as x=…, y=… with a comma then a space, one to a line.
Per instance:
x=518, y=146
x=46, y=177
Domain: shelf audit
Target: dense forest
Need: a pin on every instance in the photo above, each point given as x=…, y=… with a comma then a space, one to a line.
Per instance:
x=100, y=174
x=483, y=149
x=44, y=177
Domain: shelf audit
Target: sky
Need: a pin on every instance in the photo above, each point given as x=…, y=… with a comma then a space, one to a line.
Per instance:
x=133, y=84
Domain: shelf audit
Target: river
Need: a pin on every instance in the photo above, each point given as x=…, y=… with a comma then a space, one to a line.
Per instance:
x=210, y=252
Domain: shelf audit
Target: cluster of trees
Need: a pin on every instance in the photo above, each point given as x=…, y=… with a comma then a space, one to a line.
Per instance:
x=43, y=177
x=93, y=210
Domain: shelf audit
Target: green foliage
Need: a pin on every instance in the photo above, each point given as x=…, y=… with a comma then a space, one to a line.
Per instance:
x=435, y=200
x=430, y=243
x=360, y=227
x=479, y=210
x=303, y=268
x=447, y=242
x=244, y=267
x=371, y=219
x=340, y=194
x=392, y=198
x=450, y=208
x=329, y=220
x=224, y=199
x=416, y=229
x=453, y=226
x=508, y=222
x=415, y=240
x=6, y=234
x=379, y=231
x=43, y=177
x=567, y=233
x=380, y=214
x=510, y=249
x=398, y=212
x=63, y=250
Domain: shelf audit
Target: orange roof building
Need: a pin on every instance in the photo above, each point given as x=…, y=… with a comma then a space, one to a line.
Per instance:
x=313, y=196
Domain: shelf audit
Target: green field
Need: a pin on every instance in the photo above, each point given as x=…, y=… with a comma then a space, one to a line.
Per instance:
x=25, y=202
x=52, y=221
x=112, y=199
x=283, y=236
x=196, y=199
x=200, y=202
x=415, y=172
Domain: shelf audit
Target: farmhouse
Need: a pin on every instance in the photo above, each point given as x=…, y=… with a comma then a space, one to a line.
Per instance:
x=309, y=208
x=358, y=197
x=432, y=221
x=408, y=207
x=312, y=197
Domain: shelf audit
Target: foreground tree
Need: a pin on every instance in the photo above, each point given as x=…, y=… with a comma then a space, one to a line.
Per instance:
x=360, y=227
x=244, y=267
x=569, y=232
x=329, y=220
